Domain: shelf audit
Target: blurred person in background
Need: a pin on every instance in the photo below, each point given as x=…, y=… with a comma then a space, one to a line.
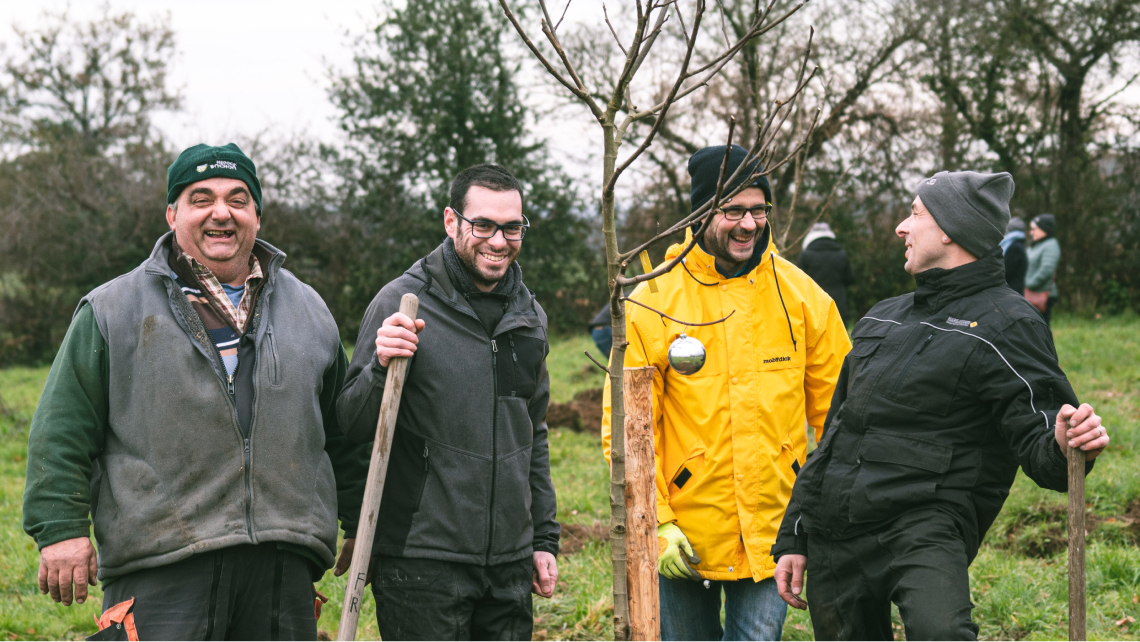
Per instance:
x=1043, y=256
x=1013, y=247
x=825, y=261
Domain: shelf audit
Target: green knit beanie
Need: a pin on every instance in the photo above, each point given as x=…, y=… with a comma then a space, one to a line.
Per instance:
x=203, y=161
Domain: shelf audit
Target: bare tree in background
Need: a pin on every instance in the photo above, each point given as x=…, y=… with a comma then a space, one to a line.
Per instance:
x=616, y=110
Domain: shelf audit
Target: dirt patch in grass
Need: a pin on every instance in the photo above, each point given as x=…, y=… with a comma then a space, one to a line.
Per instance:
x=576, y=536
x=1044, y=532
x=583, y=413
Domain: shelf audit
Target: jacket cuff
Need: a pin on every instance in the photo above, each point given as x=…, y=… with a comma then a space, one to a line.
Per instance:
x=789, y=545
x=63, y=531
x=665, y=514
x=546, y=547
x=377, y=369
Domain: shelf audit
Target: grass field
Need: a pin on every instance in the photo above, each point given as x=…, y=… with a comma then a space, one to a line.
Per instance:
x=1018, y=581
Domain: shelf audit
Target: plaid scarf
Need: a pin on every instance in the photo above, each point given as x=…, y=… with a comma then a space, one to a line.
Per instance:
x=214, y=296
x=224, y=322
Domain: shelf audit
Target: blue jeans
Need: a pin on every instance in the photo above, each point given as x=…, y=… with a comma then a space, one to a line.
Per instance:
x=752, y=610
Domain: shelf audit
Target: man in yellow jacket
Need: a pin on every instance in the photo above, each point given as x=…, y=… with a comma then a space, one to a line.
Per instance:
x=730, y=438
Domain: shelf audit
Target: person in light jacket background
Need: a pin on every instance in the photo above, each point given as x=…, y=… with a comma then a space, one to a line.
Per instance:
x=1013, y=247
x=1044, y=255
x=825, y=261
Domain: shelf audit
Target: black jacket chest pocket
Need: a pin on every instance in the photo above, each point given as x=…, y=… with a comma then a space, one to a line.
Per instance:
x=929, y=375
x=517, y=364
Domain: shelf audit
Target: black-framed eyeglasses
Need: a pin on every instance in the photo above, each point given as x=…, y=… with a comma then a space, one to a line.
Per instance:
x=488, y=229
x=737, y=212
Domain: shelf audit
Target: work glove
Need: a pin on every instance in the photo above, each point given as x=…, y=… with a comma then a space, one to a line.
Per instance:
x=675, y=556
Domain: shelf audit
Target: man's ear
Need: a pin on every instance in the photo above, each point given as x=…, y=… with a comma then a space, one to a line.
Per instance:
x=450, y=223
x=170, y=212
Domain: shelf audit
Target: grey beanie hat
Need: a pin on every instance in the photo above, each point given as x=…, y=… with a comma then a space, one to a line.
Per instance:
x=971, y=207
x=1016, y=224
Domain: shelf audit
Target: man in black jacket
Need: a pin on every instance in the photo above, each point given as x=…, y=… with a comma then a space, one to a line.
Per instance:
x=466, y=526
x=944, y=393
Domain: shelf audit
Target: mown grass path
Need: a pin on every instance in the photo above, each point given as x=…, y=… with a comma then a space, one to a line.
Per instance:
x=1018, y=580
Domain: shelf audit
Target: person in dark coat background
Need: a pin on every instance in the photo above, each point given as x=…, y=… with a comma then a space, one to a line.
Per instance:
x=1016, y=260
x=825, y=261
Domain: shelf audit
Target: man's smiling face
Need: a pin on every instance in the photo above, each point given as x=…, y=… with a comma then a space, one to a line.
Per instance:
x=732, y=242
x=216, y=222
x=923, y=237
x=486, y=260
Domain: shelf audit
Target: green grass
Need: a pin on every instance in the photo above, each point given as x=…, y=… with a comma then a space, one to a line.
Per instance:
x=1018, y=581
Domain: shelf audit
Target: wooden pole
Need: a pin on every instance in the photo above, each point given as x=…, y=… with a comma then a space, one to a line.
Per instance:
x=641, y=506
x=1076, y=544
x=374, y=487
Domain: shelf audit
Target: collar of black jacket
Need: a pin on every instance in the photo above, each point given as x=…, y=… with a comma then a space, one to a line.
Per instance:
x=938, y=287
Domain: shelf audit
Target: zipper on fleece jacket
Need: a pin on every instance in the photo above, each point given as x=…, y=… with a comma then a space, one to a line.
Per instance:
x=494, y=447
x=229, y=383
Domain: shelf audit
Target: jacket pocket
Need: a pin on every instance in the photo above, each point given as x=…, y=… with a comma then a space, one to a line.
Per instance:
x=273, y=359
x=928, y=377
x=514, y=527
x=403, y=487
x=451, y=504
x=519, y=362
x=896, y=472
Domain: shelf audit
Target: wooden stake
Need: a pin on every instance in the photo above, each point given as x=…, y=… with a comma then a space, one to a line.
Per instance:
x=374, y=487
x=641, y=506
x=1076, y=544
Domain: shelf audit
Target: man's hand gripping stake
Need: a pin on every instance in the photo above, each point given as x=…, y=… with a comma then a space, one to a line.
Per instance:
x=374, y=489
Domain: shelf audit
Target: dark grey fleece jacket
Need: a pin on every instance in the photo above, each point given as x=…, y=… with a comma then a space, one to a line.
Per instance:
x=176, y=475
x=469, y=475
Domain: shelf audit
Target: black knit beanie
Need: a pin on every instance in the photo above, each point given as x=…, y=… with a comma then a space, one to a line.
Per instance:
x=203, y=161
x=1046, y=223
x=704, y=168
x=971, y=207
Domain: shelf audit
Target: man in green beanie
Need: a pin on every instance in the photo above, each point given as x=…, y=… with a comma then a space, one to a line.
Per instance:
x=945, y=393
x=189, y=417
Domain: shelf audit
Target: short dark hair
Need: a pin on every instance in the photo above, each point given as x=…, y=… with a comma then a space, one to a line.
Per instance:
x=488, y=175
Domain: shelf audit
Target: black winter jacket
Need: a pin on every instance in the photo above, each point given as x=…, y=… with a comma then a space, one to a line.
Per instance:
x=945, y=392
x=825, y=261
x=1016, y=263
x=469, y=475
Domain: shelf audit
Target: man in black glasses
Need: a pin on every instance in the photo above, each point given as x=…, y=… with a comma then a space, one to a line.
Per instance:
x=466, y=528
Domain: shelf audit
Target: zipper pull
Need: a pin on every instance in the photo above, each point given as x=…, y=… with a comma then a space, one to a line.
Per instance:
x=513, y=355
x=494, y=348
x=231, y=385
x=425, y=458
x=924, y=344
x=247, y=446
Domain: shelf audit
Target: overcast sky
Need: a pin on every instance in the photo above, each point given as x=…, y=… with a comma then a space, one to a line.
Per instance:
x=276, y=51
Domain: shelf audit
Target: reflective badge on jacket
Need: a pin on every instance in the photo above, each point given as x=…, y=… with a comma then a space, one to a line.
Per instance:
x=117, y=623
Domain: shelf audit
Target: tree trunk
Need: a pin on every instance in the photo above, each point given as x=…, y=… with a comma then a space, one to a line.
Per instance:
x=617, y=402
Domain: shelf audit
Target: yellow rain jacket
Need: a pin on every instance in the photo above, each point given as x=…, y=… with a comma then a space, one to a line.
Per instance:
x=730, y=438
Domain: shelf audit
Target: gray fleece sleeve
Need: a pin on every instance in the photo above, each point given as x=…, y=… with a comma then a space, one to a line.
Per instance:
x=543, y=503
x=358, y=406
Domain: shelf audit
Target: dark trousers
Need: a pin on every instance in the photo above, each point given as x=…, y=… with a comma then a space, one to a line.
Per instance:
x=249, y=592
x=418, y=599
x=1048, y=313
x=919, y=562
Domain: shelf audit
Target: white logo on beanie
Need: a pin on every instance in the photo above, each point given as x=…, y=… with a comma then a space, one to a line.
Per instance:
x=223, y=165
x=201, y=168
x=932, y=181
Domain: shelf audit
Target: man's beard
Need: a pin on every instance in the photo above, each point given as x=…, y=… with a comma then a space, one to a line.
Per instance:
x=718, y=246
x=467, y=257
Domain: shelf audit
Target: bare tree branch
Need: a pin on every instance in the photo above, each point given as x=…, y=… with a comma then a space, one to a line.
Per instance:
x=613, y=31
